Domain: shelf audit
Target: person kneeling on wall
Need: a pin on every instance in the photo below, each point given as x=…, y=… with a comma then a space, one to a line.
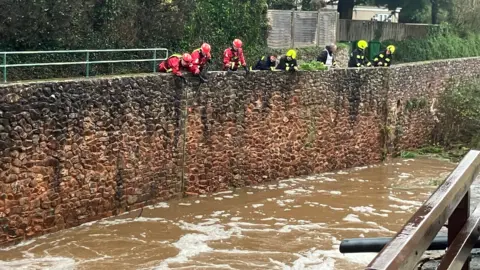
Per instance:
x=267, y=62
x=288, y=62
x=327, y=56
x=357, y=57
x=233, y=57
x=176, y=63
x=384, y=59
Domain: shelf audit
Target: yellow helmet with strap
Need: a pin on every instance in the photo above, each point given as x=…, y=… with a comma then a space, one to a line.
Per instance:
x=292, y=53
x=391, y=48
x=362, y=44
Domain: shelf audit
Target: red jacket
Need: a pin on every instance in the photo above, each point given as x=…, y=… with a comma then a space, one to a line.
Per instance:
x=173, y=64
x=230, y=55
x=199, y=60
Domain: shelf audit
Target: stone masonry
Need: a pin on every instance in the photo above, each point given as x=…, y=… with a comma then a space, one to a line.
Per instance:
x=80, y=150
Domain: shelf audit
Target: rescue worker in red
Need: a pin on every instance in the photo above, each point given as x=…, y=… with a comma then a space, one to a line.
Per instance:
x=233, y=57
x=176, y=63
x=200, y=58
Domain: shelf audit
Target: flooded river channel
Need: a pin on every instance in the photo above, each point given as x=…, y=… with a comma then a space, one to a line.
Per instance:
x=291, y=224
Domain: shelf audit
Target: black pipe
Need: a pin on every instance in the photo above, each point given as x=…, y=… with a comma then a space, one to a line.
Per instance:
x=360, y=245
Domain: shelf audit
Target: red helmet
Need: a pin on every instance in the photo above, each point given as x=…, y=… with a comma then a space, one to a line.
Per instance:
x=187, y=57
x=206, y=48
x=237, y=43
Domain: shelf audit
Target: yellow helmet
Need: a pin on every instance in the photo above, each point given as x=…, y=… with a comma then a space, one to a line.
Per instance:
x=362, y=44
x=391, y=48
x=292, y=54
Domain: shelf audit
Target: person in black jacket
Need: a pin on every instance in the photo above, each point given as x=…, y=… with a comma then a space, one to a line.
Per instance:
x=289, y=61
x=358, y=57
x=384, y=59
x=266, y=63
x=327, y=56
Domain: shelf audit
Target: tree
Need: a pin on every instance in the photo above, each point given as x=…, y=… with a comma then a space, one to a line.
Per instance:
x=435, y=10
x=282, y=4
x=345, y=9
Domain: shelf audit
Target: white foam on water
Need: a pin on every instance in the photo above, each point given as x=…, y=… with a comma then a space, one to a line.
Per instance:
x=184, y=204
x=217, y=213
x=361, y=259
x=335, y=192
x=158, y=205
x=202, y=196
x=246, y=224
x=223, y=192
x=283, y=203
x=50, y=263
x=367, y=210
x=272, y=218
x=257, y=205
x=360, y=168
x=386, y=211
x=218, y=198
x=336, y=208
x=193, y=244
x=249, y=193
x=199, y=217
x=402, y=207
x=117, y=221
x=395, y=199
x=302, y=227
x=309, y=261
x=405, y=175
x=342, y=172
x=283, y=185
x=240, y=251
x=297, y=191
x=228, y=197
x=236, y=218
x=327, y=179
x=21, y=244
x=352, y=218
x=197, y=201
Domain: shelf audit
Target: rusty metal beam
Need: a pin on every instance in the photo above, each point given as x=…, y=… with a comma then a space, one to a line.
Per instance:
x=458, y=252
x=408, y=246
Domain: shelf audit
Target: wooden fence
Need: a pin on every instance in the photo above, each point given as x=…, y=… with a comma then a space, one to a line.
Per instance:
x=350, y=30
x=301, y=28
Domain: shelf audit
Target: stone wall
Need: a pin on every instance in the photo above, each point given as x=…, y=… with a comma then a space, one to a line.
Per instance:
x=76, y=151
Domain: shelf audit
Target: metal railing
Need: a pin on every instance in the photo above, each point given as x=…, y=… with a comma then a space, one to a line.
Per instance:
x=4, y=66
x=451, y=201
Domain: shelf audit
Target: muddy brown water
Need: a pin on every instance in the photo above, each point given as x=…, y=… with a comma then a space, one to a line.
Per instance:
x=291, y=224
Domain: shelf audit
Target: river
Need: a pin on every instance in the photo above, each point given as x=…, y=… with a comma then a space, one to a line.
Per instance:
x=291, y=224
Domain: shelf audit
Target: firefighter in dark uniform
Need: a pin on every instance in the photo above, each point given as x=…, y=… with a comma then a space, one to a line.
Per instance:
x=288, y=62
x=266, y=63
x=358, y=57
x=384, y=59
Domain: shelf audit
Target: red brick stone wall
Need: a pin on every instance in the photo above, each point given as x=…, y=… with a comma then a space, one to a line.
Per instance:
x=413, y=92
x=76, y=151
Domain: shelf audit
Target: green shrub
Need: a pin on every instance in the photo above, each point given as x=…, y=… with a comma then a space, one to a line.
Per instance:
x=442, y=43
x=313, y=65
x=459, y=115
